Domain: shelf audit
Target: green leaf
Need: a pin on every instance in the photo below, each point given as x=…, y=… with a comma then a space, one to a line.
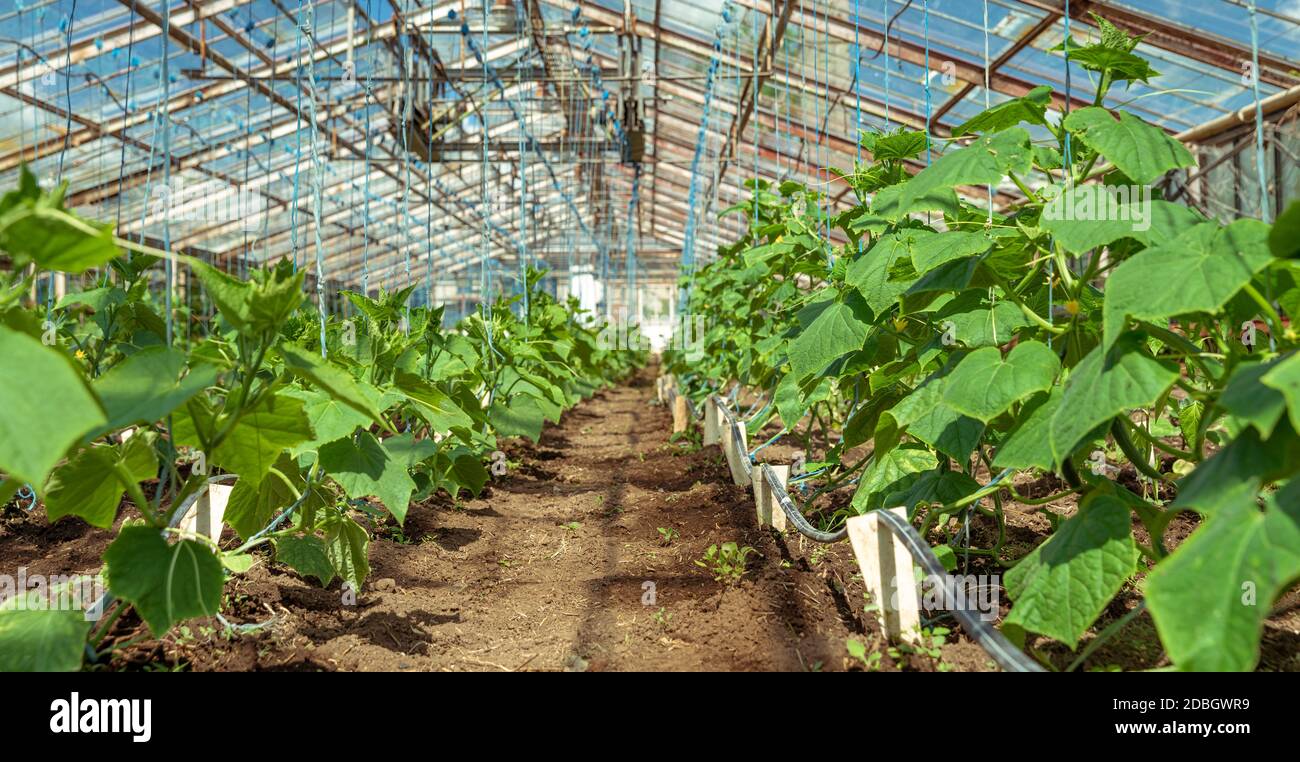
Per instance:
x=41, y=640
x=252, y=505
x=1284, y=238
x=47, y=405
x=148, y=386
x=1141, y=151
x=928, y=252
x=435, y=407
x=888, y=203
x=884, y=272
x=1285, y=378
x=975, y=321
x=1104, y=385
x=275, y=424
x=34, y=227
x=1062, y=586
x=839, y=329
x=925, y=415
x=1210, y=597
x=330, y=378
x=330, y=419
x=894, y=471
x=306, y=555
x=348, y=547
x=463, y=470
x=1031, y=107
x=987, y=160
x=88, y=486
x=1198, y=272
x=1029, y=443
x=1252, y=402
x=1080, y=223
x=984, y=385
x=408, y=450
x=257, y=306
x=1244, y=465
x=167, y=583
x=365, y=469
x=520, y=416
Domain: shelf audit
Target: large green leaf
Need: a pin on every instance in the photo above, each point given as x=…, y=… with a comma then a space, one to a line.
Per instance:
x=330, y=378
x=34, y=227
x=925, y=415
x=89, y=485
x=364, y=468
x=984, y=385
x=348, y=548
x=434, y=406
x=47, y=406
x=1029, y=443
x=987, y=160
x=522, y=415
x=928, y=252
x=1244, y=465
x=1062, y=586
x=839, y=329
x=1209, y=599
x=1198, y=272
x=974, y=320
x=1031, y=107
x=1141, y=151
x=1252, y=402
x=894, y=471
x=148, y=385
x=167, y=582
x=1285, y=378
x=1104, y=385
x=41, y=640
x=883, y=272
x=306, y=555
x=252, y=505
x=1086, y=225
x=275, y=424
x=330, y=419
x=408, y=450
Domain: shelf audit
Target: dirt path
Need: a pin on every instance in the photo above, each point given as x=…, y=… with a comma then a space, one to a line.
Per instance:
x=561, y=567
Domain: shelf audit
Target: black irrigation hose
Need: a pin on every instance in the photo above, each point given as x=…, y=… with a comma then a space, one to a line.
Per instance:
x=793, y=513
x=988, y=637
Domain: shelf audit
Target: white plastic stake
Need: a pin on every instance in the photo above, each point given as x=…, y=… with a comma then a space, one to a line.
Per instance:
x=711, y=434
x=886, y=567
x=769, y=513
x=681, y=414
x=738, y=449
x=206, y=516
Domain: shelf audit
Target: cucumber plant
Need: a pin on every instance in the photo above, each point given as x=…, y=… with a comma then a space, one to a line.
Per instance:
x=318, y=423
x=962, y=346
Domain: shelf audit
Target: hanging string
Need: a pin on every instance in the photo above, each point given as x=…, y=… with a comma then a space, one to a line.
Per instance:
x=316, y=180
x=1264, y=211
x=987, y=64
x=925, y=26
x=885, y=18
x=688, y=250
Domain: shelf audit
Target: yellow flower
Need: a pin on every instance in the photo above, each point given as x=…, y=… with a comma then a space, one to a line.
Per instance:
x=1073, y=307
x=81, y=355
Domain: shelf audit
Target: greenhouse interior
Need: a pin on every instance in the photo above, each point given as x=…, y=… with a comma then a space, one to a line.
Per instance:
x=649, y=335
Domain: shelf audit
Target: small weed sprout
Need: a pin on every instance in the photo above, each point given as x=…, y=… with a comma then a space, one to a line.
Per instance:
x=726, y=561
